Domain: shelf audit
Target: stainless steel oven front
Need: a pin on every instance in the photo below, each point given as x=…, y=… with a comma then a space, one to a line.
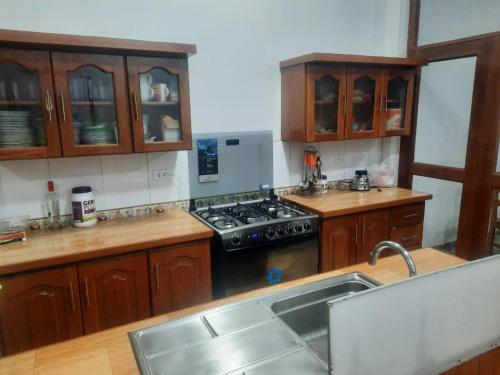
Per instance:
x=242, y=270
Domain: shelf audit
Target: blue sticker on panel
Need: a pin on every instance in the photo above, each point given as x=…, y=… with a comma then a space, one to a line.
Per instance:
x=274, y=276
x=208, y=160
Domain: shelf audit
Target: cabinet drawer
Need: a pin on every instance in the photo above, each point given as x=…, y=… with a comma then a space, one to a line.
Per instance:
x=409, y=236
x=407, y=215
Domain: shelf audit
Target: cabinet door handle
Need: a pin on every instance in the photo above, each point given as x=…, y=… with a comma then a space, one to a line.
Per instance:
x=356, y=240
x=385, y=101
x=72, y=293
x=136, y=108
x=157, y=276
x=363, y=233
x=409, y=216
x=380, y=104
x=87, y=291
x=409, y=238
x=345, y=105
x=48, y=105
x=62, y=106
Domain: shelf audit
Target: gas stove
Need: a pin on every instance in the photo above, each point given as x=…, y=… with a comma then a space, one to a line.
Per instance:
x=249, y=224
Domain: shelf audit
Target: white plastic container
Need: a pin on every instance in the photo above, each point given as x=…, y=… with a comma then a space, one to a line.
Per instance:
x=83, y=203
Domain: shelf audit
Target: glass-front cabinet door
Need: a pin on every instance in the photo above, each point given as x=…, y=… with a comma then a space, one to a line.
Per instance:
x=92, y=104
x=28, y=122
x=327, y=101
x=159, y=100
x=397, y=102
x=364, y=102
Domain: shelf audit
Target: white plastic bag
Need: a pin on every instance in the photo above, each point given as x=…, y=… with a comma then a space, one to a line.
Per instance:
x=381, y=175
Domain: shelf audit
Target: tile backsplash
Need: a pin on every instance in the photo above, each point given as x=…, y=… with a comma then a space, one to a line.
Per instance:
x=128, y=180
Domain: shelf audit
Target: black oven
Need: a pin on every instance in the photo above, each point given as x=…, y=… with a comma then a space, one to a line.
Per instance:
x=240, y=270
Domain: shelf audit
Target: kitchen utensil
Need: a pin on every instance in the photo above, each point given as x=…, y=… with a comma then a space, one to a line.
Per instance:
x=360, y=182
x=313, y=181
x=161, y=92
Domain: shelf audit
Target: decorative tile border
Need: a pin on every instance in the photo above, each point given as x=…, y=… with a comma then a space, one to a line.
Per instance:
x=158, y=208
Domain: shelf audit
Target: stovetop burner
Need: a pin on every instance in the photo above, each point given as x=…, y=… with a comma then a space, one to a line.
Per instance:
x=248, y=213
x=225, y=224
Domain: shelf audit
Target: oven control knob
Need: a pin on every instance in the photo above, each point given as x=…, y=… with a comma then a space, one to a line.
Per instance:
x=270, y=233
x=307, y=226
x=280, y=232
x=298, y=228
x=236, y=239
x=289, y=230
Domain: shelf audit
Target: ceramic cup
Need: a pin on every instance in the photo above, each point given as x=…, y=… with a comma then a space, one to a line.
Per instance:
x=161, y=92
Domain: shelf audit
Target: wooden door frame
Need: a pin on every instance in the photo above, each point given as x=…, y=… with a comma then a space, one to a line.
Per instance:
x=482, y=146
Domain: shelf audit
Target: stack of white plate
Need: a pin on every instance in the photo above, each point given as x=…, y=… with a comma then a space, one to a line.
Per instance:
x=15, y=130
x=98, y=134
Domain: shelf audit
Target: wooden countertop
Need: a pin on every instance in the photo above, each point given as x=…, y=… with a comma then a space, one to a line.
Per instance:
x=110, y=352
x=338, y=203
x=49, y=248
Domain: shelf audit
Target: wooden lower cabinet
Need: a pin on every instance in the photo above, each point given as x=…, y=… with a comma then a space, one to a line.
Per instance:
x=114, y=292
x=180, y=276
x=338, y=242
x=348, y=240
x=485, y=364
x=39, y=308
x=373, y=228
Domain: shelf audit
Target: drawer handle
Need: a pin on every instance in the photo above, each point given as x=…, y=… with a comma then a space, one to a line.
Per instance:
x=409, y=216
x=157, y=276
x=72, y=293
x=409, y=238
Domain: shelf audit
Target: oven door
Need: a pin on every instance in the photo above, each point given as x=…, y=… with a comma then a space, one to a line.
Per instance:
x=252, y=268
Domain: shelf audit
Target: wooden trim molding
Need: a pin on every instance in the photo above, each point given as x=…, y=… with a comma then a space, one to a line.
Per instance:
x=495, y=180
x=333, y=58
x=413, y=25
x=63, y=42
x=438, y=171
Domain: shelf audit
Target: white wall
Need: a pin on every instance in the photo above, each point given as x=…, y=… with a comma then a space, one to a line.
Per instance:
x=234, y=82
x=442, y=20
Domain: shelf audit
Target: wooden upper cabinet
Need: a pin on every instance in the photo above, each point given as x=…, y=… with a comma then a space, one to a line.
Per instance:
x=397, y=99
x=364, y=102
x=92, y=104
x=38, y=309
x=28, y=121
x=114, y=292
x=328, y=97
x=325, y=103
x=180, y=276
x=159, y=103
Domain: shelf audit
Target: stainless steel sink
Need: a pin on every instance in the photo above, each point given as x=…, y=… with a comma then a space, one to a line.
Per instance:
x=307, y=313
x=283, y=332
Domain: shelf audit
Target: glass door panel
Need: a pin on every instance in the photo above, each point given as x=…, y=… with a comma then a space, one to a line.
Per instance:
x=395, y=104
x=160, y=106
x=21, y=117
x=326, y=105
x=159, y=97
x=363, y=104
x=92, y=101
x=93, y=107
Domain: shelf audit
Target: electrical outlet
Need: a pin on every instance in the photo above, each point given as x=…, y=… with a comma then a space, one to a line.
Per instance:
x=339, y=159
x=162, y=174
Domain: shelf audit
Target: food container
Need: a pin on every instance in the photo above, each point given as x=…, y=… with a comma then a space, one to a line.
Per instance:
x=83, y=204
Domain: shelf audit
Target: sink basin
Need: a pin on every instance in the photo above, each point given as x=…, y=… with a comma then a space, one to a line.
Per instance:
x=292, y=323
x=306, y=313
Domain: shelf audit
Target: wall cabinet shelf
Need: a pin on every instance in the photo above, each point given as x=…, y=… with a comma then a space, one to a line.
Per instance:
x=116, y=97
x=337, y=97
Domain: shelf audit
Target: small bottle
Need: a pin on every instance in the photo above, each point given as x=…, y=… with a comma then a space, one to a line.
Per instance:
x=52, y=207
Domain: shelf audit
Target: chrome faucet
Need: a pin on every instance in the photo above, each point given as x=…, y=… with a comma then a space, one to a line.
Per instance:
x=394, y=246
